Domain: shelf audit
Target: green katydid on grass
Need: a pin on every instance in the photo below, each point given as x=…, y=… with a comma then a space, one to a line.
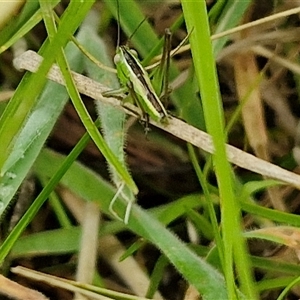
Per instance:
x=136, y=81
x=133, y=76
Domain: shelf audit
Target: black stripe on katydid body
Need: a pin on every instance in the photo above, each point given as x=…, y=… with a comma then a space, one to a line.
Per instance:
x=141, y=75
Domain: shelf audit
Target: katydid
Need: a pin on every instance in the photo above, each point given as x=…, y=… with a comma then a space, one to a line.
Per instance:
x=132, y=75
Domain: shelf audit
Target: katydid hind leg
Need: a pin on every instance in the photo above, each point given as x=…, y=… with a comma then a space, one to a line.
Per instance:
x=113, y=201
x=121, y=191
x=145, y=116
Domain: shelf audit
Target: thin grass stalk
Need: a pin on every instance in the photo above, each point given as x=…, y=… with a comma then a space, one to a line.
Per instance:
x=204, y=62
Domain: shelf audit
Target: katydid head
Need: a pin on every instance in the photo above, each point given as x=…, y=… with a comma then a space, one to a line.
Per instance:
x=120, y=54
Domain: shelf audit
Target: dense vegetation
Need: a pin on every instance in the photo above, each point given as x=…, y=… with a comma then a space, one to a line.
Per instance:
x=208, y=220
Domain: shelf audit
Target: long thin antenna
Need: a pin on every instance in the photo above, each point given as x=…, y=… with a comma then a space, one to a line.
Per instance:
x=137, y=28
x=118, y=16
x=119, y=30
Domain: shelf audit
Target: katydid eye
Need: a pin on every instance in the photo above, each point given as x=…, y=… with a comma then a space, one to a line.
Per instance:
x=133, y=52
x=117, y=59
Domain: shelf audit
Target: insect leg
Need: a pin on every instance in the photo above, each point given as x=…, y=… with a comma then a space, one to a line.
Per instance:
x=113, y=200
x=145, y=116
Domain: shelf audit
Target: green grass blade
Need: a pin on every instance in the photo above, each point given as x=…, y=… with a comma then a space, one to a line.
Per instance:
x=202, y=52
x=52, y=242
x=87, y=185
x=209, y=205
x=17, y=28
x=130, y=18
x=36, y=205
x=24, y=98
x=157, y=275
x=34, y=133
x=231, y=15
x=28, y=122
x=271, y=214
x=81, y=109
x=112, y=119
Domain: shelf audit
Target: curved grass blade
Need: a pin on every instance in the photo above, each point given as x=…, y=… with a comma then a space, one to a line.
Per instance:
x=85, y=183
x=80, y=108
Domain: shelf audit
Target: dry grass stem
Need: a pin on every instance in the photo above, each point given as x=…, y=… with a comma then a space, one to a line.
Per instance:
x=30, y=61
